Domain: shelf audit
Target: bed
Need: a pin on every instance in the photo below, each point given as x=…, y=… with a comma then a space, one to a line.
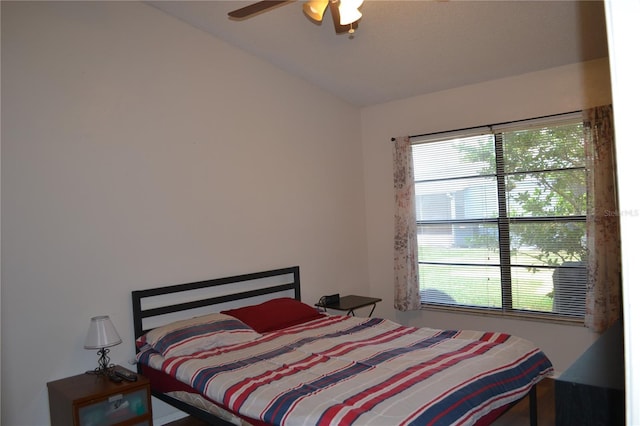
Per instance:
x=245, y=350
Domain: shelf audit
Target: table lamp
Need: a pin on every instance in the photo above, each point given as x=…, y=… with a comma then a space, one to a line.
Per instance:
x=102, y=335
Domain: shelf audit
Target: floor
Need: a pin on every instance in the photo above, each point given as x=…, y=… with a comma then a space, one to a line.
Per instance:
x=187, y=421
x=517, y=416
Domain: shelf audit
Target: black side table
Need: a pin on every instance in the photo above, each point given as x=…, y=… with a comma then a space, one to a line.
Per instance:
x=351, y=302
x=591, y=391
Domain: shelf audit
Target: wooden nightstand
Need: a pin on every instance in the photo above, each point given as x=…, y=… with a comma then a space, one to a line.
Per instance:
x=351, y=302
x=92, y=400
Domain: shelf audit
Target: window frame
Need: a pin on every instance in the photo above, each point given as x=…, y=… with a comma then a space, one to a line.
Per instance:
x=503, y=221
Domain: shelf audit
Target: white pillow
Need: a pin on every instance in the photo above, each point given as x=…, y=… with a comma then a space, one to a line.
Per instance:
x=189, y=336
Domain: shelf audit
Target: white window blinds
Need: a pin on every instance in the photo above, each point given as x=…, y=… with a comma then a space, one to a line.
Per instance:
x=501, y=217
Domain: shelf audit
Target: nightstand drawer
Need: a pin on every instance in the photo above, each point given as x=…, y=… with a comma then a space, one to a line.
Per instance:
x=115, y=409
x=94, y=400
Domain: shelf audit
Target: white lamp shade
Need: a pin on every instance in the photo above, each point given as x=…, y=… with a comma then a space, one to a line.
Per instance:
x=102, y=334
x=349, y=12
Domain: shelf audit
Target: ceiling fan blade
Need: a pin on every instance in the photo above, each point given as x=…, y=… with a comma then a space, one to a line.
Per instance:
x=335, y=14
x=255, y=8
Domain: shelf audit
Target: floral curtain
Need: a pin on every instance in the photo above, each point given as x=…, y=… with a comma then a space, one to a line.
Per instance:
x=405, y=259
x=603, y=296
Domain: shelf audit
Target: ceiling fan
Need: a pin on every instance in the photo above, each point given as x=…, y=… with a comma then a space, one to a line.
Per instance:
x=345, y=13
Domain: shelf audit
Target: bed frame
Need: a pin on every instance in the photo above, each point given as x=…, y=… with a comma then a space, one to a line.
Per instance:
x=158, y=306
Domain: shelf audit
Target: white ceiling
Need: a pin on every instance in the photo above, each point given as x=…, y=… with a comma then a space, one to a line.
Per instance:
x=407, y=48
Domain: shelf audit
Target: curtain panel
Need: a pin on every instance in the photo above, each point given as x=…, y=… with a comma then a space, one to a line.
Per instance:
x=405, y=261
x=604, y=284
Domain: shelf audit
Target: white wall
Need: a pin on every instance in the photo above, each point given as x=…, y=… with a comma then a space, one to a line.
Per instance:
x=536, y=94
x=137, y=152
x=623, y=33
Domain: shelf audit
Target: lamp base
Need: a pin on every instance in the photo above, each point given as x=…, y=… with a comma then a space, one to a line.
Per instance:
x=104, y=366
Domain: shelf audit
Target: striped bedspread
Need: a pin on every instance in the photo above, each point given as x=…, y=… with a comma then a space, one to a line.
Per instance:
x=342, y=370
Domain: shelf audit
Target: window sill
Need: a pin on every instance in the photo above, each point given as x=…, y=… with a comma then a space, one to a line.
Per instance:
x=520, y=315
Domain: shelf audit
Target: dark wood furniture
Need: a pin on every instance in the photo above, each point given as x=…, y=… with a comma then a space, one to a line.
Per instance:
x=93, y=400
x=352, y=302
x=591, y=390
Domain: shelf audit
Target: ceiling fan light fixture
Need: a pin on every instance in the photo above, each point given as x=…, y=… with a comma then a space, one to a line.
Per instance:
x=344, y=13
x=349, y=12
x=315, y=9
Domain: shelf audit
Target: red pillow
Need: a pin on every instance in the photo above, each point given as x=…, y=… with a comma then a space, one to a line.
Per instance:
x=275, y=314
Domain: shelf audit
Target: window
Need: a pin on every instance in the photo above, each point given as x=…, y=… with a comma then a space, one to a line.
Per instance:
x=501, y=217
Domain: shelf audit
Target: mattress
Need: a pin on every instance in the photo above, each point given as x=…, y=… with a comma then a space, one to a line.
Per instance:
x=354, y=371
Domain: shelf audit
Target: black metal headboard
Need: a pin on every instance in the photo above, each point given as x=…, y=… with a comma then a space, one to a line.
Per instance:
x=161, y=305
x=186, y=298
